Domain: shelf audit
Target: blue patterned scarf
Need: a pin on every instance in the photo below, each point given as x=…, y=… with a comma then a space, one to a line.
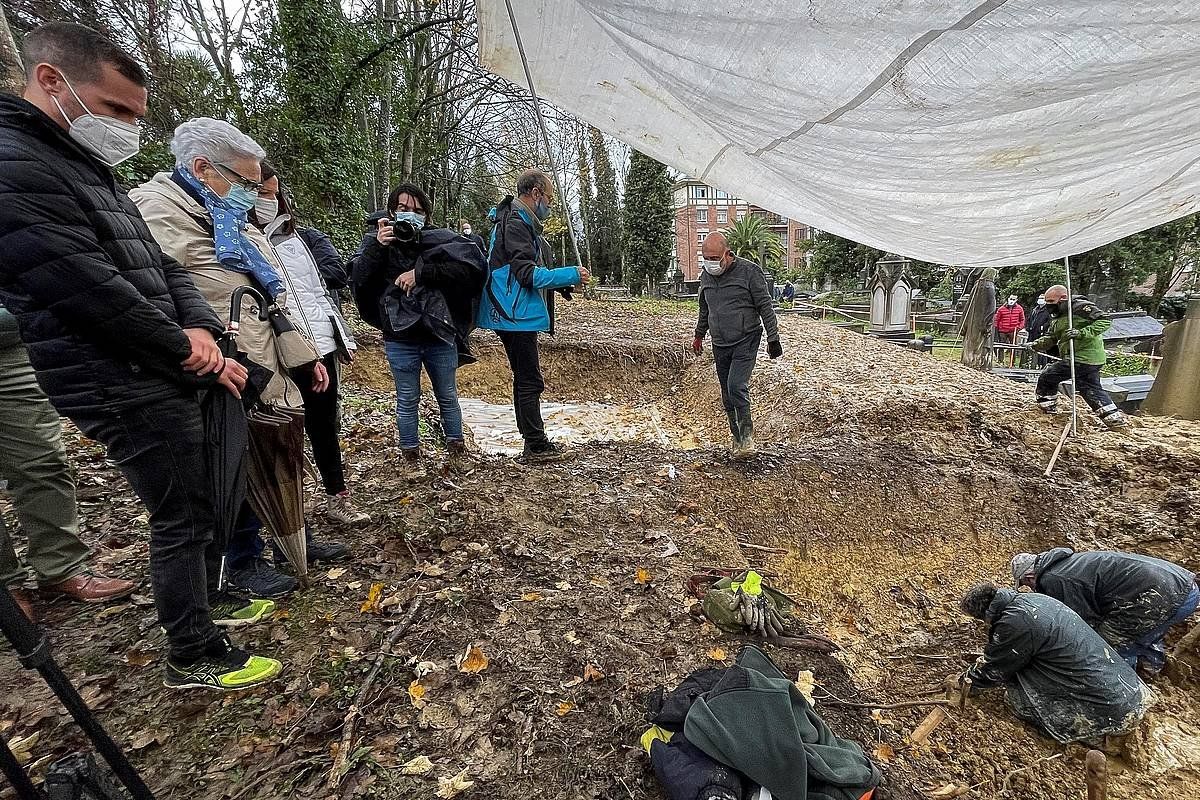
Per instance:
x=234, y=250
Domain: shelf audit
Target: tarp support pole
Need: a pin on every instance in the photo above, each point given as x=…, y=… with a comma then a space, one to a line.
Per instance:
x=1071, y=347
x=537, y=110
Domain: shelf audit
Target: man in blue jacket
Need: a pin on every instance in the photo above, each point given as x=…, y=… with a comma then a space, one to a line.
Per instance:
x=735, y=306
x=514, y=304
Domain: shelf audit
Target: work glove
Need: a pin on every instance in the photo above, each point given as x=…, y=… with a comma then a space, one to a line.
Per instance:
x=697, y=345
x=758, y=616
x=1073, y=333
x=774, y=349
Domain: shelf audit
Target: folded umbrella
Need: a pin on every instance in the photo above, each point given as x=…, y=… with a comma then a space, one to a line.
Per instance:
x=276, y=481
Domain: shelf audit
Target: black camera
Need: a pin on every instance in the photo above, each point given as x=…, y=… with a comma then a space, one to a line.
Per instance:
x=406, y=232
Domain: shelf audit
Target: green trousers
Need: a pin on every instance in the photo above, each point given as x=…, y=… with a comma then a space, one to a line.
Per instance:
x=40, y=483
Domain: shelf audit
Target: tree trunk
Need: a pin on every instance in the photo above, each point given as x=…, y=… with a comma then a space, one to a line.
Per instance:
x=12, y=76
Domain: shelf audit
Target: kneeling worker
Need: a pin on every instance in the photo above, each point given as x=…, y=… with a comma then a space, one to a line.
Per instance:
x=1090, y=325
x=735, y=306
x=1131, y=600
x=1060, y=675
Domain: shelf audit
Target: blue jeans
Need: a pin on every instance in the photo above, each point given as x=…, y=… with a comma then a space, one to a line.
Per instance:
x=1151, y=647
x=441, y=362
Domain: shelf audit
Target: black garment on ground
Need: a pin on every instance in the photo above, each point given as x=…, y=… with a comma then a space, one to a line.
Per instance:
x=160, y=450
x=1060, y=675
x=1087, y=383
x=687, y=773
x=1122, y=595
x=450, y=273
x=101, y=309
x=322, y=423
x=735, y=364
x=752, y=718
x=521, y=347
x=736, y=305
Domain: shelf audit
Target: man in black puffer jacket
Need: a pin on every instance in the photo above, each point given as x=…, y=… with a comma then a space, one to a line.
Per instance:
x=118, y=335
x=1131, y=600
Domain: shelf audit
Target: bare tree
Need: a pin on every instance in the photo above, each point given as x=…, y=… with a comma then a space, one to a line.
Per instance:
x=12, y=77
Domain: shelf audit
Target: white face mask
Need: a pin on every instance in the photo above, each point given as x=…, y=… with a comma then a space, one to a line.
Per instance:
x=110, y=140
x=713, y=266
x=266, y=209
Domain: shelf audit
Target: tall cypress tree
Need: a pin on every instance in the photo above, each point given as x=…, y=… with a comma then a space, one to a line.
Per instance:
x=649, y=223
x=605, y=214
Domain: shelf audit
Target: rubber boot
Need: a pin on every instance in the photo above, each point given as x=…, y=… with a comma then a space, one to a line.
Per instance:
x=735, y=432
x=745, y=448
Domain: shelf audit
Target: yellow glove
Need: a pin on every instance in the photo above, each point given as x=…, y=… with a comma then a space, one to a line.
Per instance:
x=655, y=733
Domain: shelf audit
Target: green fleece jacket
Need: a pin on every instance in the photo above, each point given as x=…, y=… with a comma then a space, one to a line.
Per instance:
x=1091, y=324
x=756, y=721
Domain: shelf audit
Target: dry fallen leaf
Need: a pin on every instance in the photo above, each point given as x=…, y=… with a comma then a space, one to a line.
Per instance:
x=371, y=604
x=592, y=674
x=421, y=765
x=138, y=658
x=531, y=597
x=416, y=693
x=453, y=787
x=571, y=684
x=717, y=654
x=643, y=576
x=23, y=748
x=805, y=683
x=949, y=790
x=335, y=573
x=564, y=708
x=473, y=661
x=884, y=753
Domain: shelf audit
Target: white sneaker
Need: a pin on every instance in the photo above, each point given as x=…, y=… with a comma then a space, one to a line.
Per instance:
x=340, y=508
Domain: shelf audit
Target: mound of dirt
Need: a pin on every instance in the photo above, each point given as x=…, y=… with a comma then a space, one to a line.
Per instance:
x=549, y=601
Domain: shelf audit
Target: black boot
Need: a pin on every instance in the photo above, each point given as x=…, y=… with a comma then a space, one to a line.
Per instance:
x=744, y=438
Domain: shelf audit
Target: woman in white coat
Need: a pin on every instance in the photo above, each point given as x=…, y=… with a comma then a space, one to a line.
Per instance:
x=309, y=304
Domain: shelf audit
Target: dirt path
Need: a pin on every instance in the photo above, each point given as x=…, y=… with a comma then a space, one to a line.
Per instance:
x=892, y=481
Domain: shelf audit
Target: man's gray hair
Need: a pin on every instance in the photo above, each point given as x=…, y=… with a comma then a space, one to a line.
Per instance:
x=213, y=139
x=534, y=179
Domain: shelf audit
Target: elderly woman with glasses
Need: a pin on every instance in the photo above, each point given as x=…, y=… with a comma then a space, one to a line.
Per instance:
x=199, y=215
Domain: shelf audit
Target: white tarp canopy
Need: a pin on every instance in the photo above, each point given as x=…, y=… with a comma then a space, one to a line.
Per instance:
x=998, y=132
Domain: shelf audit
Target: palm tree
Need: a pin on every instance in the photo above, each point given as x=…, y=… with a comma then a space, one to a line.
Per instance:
x=750, y=238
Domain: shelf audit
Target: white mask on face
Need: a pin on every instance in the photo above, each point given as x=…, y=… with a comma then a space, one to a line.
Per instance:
x=110, y=140
x=713, y=266
x=266, y=209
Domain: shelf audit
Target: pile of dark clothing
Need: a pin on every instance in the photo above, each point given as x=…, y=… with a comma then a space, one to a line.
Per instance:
x=724, y=733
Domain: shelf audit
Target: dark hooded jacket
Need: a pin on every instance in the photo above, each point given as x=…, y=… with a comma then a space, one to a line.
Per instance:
x=100, y=308
x=1060, y=675
x=1121, y=595
x=450, y=272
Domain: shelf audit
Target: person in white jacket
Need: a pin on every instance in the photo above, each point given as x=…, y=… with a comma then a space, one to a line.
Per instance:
x=309, y=304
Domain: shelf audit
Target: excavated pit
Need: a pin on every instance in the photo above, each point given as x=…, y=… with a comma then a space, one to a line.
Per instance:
x=880, y=495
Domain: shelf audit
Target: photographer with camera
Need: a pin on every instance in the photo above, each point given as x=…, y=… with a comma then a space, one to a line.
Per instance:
x=419, y=285
x=514, y=303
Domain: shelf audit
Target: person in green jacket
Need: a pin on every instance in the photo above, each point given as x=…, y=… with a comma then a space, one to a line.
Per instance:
x=1087, y=335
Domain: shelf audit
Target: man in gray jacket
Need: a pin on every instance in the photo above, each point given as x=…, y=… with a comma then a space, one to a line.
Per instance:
x=735, y=306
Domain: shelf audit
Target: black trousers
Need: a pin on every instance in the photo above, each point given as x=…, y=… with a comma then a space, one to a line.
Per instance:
x=734, y=367
x=521, y=347
x=322, y=423
x=160, y=450
x=1087, y=381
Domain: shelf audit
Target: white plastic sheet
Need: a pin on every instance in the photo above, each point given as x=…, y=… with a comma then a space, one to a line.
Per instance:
x=979, y=132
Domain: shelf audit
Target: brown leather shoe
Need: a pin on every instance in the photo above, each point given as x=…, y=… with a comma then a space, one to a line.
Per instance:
x=88, y=588
x=24, y=602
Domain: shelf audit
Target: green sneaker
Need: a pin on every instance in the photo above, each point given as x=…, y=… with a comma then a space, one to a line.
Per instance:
x=233, y=612
x=232, y=670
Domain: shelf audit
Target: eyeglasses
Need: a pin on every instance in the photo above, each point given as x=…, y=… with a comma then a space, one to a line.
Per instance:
x=246, y=183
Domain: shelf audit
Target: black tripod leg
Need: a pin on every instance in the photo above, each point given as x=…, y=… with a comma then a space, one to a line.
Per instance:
x=17, y=776
x=33, y=650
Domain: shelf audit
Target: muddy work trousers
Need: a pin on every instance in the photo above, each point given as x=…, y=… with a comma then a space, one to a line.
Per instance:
x=734, y=366
x=521, y=347
x=1087, y=379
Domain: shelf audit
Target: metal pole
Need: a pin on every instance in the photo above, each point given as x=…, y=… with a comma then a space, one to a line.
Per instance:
x=1071, y=347
x=537, y=110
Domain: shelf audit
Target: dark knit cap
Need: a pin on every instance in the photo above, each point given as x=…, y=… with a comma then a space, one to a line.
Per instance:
x=977, y=599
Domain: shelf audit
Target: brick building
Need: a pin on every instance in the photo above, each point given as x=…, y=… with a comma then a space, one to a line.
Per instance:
x=701, y=209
